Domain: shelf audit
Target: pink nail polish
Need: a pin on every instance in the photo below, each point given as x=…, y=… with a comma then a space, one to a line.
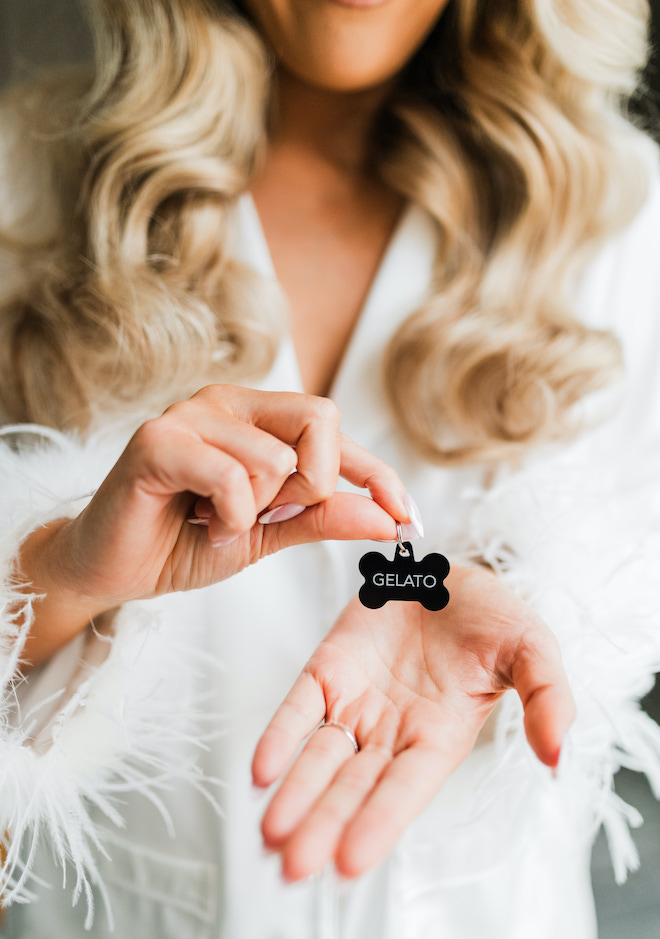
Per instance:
x=409, y=533
x=554, y=766
x=415, y=529
x=282, y=513
x=198, y=521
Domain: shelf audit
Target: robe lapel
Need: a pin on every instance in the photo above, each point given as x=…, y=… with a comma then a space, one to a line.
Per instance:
x=251, y=248
x=401, y=284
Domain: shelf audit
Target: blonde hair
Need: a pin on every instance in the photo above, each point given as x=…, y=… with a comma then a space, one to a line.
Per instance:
x=522, y=157
x=506, y=127
x=138, y=298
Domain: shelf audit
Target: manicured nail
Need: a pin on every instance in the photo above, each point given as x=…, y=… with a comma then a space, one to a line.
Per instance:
x=414, y=529
x=282, y=513
x=557, y=764
x=198, y=521
x=223, y=542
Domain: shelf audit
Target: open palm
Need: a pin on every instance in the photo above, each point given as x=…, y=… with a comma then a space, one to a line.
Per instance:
x=415, y=687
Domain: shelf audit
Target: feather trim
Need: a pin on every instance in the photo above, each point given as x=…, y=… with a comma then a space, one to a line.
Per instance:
x=580, y=539
x=112, y=724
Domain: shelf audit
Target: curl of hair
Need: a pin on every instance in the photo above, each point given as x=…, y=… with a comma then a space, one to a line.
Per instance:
x=506, y=127
x=510, y=132
x=138, y=298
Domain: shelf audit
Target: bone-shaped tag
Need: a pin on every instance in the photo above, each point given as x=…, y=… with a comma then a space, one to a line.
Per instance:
x=404, y=579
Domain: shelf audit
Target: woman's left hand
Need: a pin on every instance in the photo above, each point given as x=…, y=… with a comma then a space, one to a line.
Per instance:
x=415, y=687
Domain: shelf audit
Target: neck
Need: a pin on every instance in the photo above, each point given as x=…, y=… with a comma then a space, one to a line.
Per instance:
x=333, y=126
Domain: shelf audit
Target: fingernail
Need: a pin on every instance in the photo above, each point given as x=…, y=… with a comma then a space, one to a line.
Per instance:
x=223, y=542
x=560, y=761
x=416, y=525
x=555, y=770
x=409, y=533
x=282, y=513
x=198, y=521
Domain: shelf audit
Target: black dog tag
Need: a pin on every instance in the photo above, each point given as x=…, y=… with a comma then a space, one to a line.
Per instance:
x=404, y=579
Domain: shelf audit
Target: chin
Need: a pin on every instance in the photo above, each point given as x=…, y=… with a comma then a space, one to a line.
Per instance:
x=337, y=77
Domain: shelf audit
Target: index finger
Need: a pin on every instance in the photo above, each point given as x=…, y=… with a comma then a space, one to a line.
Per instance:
x=361, y=469
x=311, y=425
x=367, y=471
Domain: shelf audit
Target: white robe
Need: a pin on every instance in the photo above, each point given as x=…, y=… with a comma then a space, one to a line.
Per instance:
x=503, y=851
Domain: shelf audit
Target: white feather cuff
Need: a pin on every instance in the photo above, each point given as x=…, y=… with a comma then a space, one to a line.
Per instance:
x=580, y=539
x=98, y=720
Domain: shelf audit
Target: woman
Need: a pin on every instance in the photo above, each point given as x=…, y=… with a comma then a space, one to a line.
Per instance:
x=457, y=219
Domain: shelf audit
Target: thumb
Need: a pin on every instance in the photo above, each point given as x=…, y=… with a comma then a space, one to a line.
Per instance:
x=343, y=517
x=540, y=680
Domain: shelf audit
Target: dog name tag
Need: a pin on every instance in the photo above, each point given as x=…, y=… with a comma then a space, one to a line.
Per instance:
x=404, y=578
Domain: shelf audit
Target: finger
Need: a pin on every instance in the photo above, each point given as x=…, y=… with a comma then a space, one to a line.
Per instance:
x=367, y=471
x=326, y=751
x=311, y=425
x=203, y=509
x=344, y=517
x=405, y=788
x=539, y=678
x=315, y=840
x=300, y=712
x=267, y=460
x=161, y=461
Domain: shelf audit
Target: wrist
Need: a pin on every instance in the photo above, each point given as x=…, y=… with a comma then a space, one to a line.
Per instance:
x=62, y=608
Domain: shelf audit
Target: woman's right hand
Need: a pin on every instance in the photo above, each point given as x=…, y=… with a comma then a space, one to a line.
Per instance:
x=225, y=455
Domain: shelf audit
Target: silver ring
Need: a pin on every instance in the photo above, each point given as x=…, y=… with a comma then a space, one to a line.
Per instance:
x=403, y=551
x=347, y=730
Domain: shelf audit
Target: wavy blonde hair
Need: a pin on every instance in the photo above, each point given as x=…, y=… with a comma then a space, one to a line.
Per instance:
x=137, y=297
x=506, y=127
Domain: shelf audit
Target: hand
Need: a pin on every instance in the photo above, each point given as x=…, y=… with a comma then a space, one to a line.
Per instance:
x=225, y=455
x=415, y=687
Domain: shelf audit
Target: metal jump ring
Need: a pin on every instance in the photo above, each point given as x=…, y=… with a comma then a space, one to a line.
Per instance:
x=347, y=730
x=403, y=551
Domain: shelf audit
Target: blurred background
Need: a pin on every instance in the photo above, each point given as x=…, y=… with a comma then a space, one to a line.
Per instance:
x=38, y=33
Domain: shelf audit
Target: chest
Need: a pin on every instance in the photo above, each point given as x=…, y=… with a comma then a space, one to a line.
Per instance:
x=326, y=253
